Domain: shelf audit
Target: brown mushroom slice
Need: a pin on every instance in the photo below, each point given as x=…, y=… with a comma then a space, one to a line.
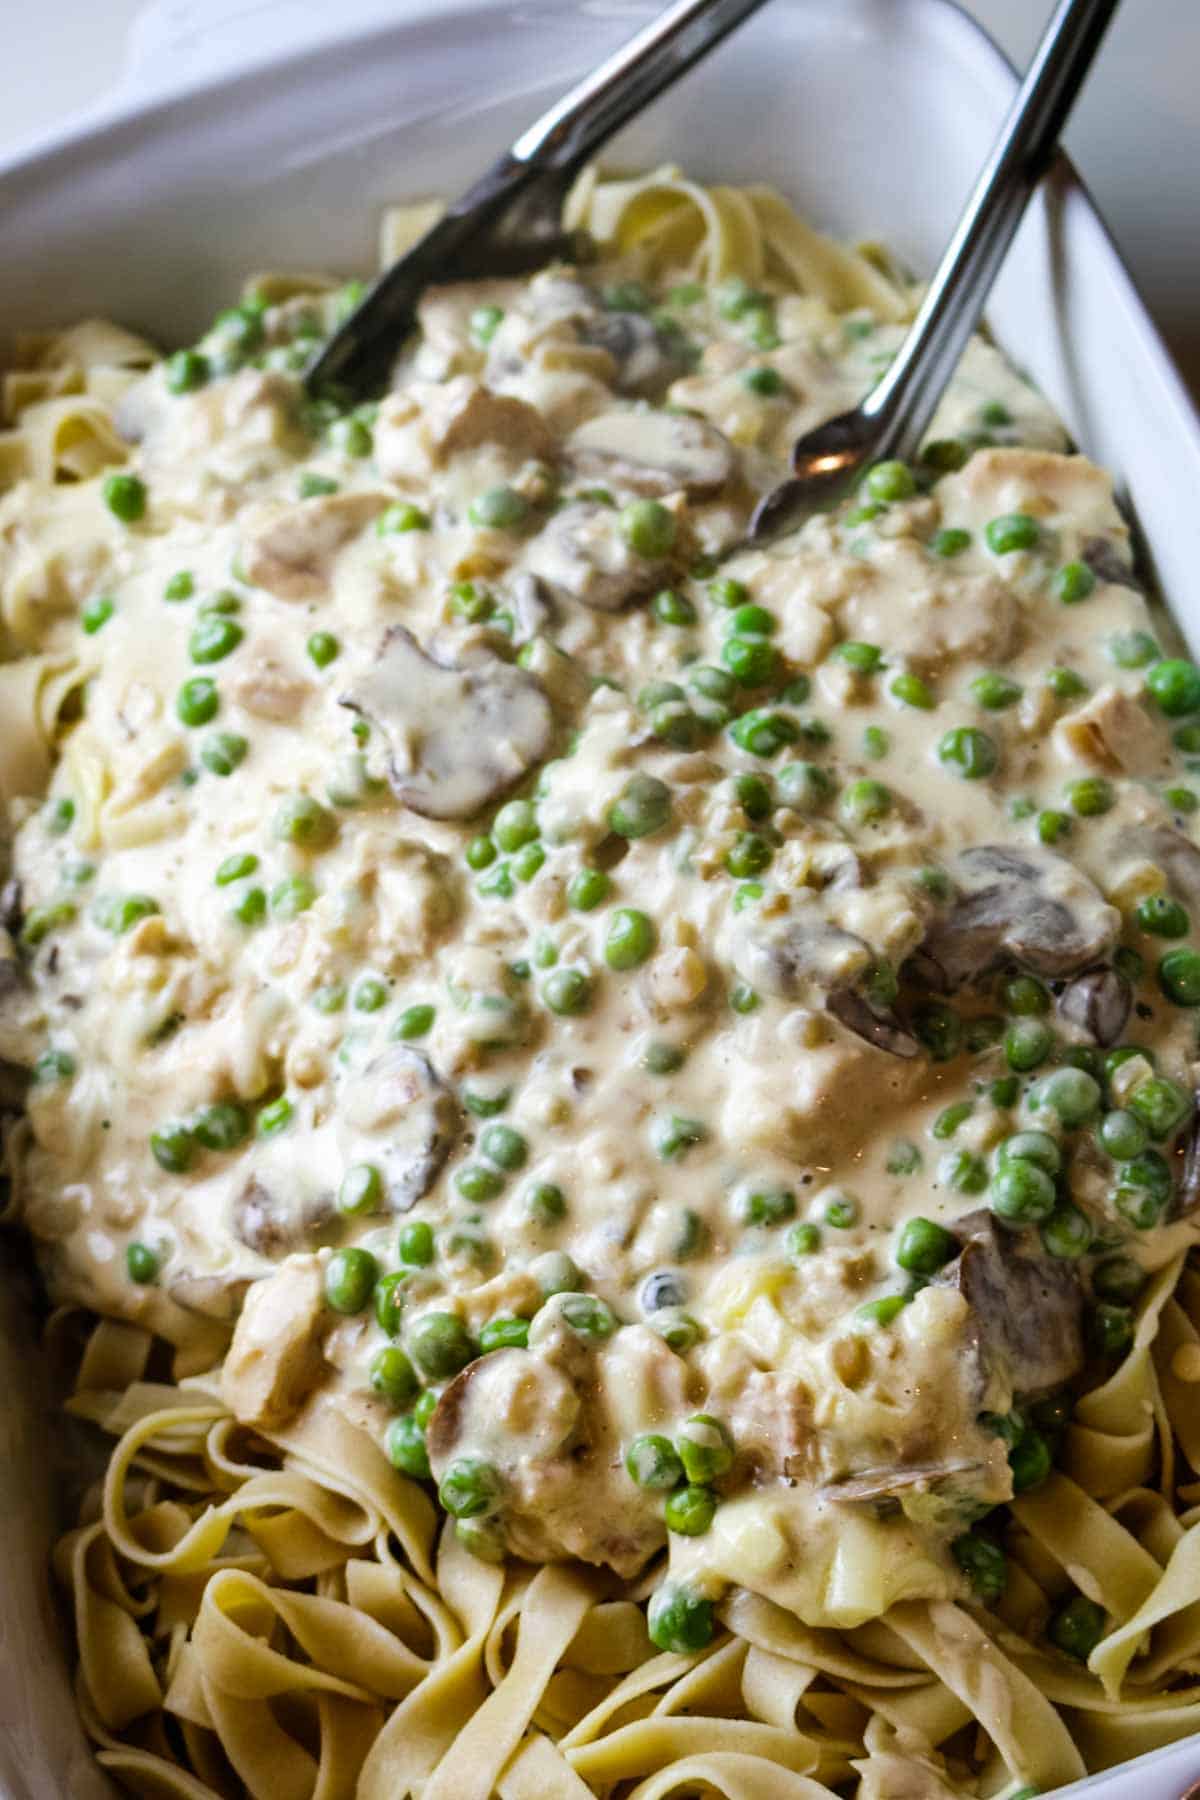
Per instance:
x=582, y=556
x=1176, y=856
x=885, y=1489
x=647, y=359
x=276, y=1358
x=1098, y=1002
x=1107, y=564
x=292, y=555
x=1187, y=1192
x=653, y=452
x=1021, y=905
x=274, y=1225
x=874, y=1025
x=456, y=736
x=401, y=1098
x=790, y=956
x=1026, y=1308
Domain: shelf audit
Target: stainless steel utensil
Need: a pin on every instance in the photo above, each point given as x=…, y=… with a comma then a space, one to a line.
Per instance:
x=510, y=220
x=890, y=422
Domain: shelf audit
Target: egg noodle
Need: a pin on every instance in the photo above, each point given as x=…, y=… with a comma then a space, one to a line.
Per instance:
x=264, y=1603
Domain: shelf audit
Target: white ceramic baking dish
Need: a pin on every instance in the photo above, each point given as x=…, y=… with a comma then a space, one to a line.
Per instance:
x=873, y=115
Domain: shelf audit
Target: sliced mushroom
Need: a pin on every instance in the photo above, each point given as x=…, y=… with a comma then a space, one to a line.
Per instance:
x=1107, y=564
x=274, y=1225
x=276, y=1357
x=532, y=605
x=885, y=1489
x=879, y=1027
x=292, y=556
x=218, y=1297
x=1098, y=1001
x=1026, y=906
x=1176, y=856
x=401, y=1097
x=1026, y=1308
x=582, y=556
x=653, y=452
x=1187, y=1193
x=647, y=359
x=456, y=737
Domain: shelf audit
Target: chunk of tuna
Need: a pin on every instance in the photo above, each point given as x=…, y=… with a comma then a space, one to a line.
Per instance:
x=292, y=556
x=275, y=1359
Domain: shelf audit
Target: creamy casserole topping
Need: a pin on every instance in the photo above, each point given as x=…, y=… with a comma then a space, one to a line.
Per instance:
x=685, y=1045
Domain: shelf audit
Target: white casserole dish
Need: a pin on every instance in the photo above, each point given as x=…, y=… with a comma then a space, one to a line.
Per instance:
x=873, y=115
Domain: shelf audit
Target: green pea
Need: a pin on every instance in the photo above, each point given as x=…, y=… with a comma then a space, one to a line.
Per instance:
x=125, y=497
x=1130, y=964
x=1011, y=531
x=404, y=1447
x=890, y=481
x=881, y=1312
x=587, y=889
x=925, y=1247
x=705, y=1448
x=1175, y=686
x=1179, y=977
x=864, y=659
x=504, y=1146
x=1161, y=1105
x=97, y=612
x=996, y=691
x=589, y=1316
x=951, y=1117
x=556, y=1273
x=1030, y=1461
x=679, y=1619
x=499, y=509
x=983, y=1563
x=197, y=700
x=804, y=786
x=173, y=1147
x=950, y=541
x=1070, y=1093
x=304, y=822
x=323, y=648
x=1067, y=1233
x=401, y=516
x=675, y=1135
x=439, y=1344
x=1077, y=1627
x=752, y=661
x=965, y=1172
x=567, y=991
x=903, y=1158
x=1162, y=916
x=1021, y=1193
x=753, y=620
x=1143, y=1190
x=275, y=1117
x=648, y=528
x=292, y=896
x=968, y=753
x=1065, y=684
x=214, y=638
x=483, y=1104
x=311, y=486
x=910, y=690
x=1003, y=1092
x=141, y=1264
x=939, y=1029
x=631, y=938
x=642, y=807
x=747, y=895
x=181, y=586
x=1119, y=1279
x=329, y=999
x=414, y=1022
x=754, y=796
x=483, y=324
x=652, y=1462
x=476, y=1182
x=470, y=1488
x=224, y=752
x=1122, y=1135
x=1052, y=825
x=762, y=732
x=1131, y=649
x=673, y=608
x=186, y=370
x=352, y=437
x=1027, y=1043
x=1090, y=796
x=361, y=1190
x=1036, y=1147
x=545, y=1203
x=865, y=802
x=1110, y=1329
x=392, y=1375
x=743, y=998
x=350, y=1277
x=803, y=1240
x=766, y=382
x=690, y=1511
x=527, y=861
x=764, y=1205
x=663, y=1059
x=119, y=913
x=222, y=1126
x=1072, y=583
x=749, y=854
x=1181, y=799
x=1025, y=996
x=842, y=1212
x=415, y=1244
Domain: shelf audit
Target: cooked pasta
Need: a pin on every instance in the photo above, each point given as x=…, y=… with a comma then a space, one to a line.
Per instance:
x=610, y=1126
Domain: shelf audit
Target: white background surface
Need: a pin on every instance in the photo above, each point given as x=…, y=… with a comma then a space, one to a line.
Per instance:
x=1136, y=134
